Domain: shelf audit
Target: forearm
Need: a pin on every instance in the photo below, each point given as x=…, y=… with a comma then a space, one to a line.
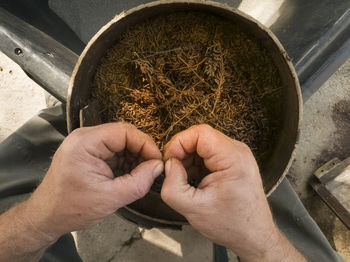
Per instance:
x=277, y=249
x=21, y=238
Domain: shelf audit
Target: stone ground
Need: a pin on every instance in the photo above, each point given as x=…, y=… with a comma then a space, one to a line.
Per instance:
x=325, y=134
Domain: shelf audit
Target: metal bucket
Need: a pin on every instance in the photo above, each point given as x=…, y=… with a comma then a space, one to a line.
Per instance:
x=151, y=211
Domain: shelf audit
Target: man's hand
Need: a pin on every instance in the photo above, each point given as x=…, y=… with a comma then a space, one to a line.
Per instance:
x=229, y=205
x=80, y=188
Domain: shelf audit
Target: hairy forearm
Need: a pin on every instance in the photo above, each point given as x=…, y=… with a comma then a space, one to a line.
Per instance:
x=21, y=238
x=277, y=249
x=285, y=251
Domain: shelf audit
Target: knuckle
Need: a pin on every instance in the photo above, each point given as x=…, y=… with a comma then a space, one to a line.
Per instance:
x=73, y=140
x=204, y=128
x=77, y=132
x=68, y=145
x=241, y=146
x=75, y=136
x=246, y=149
x=125, y=125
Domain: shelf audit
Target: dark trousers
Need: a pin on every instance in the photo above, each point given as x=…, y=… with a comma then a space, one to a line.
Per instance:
x=26, y=155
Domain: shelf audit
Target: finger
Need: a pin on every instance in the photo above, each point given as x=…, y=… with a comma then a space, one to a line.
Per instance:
x=104, y=140
x=218, y=151
x=128, y=188
x=202, y=139
x=176, y=191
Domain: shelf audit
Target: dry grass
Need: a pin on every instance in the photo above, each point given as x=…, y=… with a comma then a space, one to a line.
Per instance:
x=178, y=70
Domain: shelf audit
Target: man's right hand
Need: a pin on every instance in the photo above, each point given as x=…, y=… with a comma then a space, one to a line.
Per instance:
x=229, y=206
x=80, y=188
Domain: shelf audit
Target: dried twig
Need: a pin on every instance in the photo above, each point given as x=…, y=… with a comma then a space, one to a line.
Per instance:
x=178, y=70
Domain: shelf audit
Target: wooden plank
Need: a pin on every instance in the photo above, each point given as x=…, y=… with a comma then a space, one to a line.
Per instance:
x=339, y=187
x=331, y=169
x=332, y=202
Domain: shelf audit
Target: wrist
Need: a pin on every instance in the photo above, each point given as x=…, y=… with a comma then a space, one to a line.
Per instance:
x=271, y=249
x=260, y=246
x=22, y=238
x=38, y=222
x=275, y=248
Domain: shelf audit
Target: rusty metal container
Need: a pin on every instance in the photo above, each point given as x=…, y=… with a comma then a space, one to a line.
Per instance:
x=151, y=211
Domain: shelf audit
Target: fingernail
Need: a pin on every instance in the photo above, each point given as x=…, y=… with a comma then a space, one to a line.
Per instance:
x=168, y=166
x=158, y=169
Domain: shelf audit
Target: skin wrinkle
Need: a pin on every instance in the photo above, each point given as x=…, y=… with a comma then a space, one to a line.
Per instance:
x=92, y=151
x=103, y=169
x=201, y=147
x=91, y=169
x=27, y=220
x=207, y=181
x=126, y=142
x=185, y=151
x=108, y=147
x=140, y=188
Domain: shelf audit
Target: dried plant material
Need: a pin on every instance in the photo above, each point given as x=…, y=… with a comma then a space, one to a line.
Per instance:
x=182, y=69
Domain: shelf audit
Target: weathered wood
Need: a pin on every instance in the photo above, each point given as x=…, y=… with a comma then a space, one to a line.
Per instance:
x=339, y=187
x=332, y=184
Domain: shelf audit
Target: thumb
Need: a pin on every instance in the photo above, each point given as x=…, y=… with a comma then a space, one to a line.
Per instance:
x=176, y=191
x=131, y=187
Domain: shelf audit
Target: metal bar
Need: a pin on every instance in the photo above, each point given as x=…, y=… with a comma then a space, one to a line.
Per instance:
x=219, y=253
x=45, y=60
x=38, y=14
x=330, y=66
x=325, y=57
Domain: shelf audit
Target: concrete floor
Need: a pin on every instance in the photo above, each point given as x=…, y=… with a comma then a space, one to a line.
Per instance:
x=325, y=133
x=20, y=97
